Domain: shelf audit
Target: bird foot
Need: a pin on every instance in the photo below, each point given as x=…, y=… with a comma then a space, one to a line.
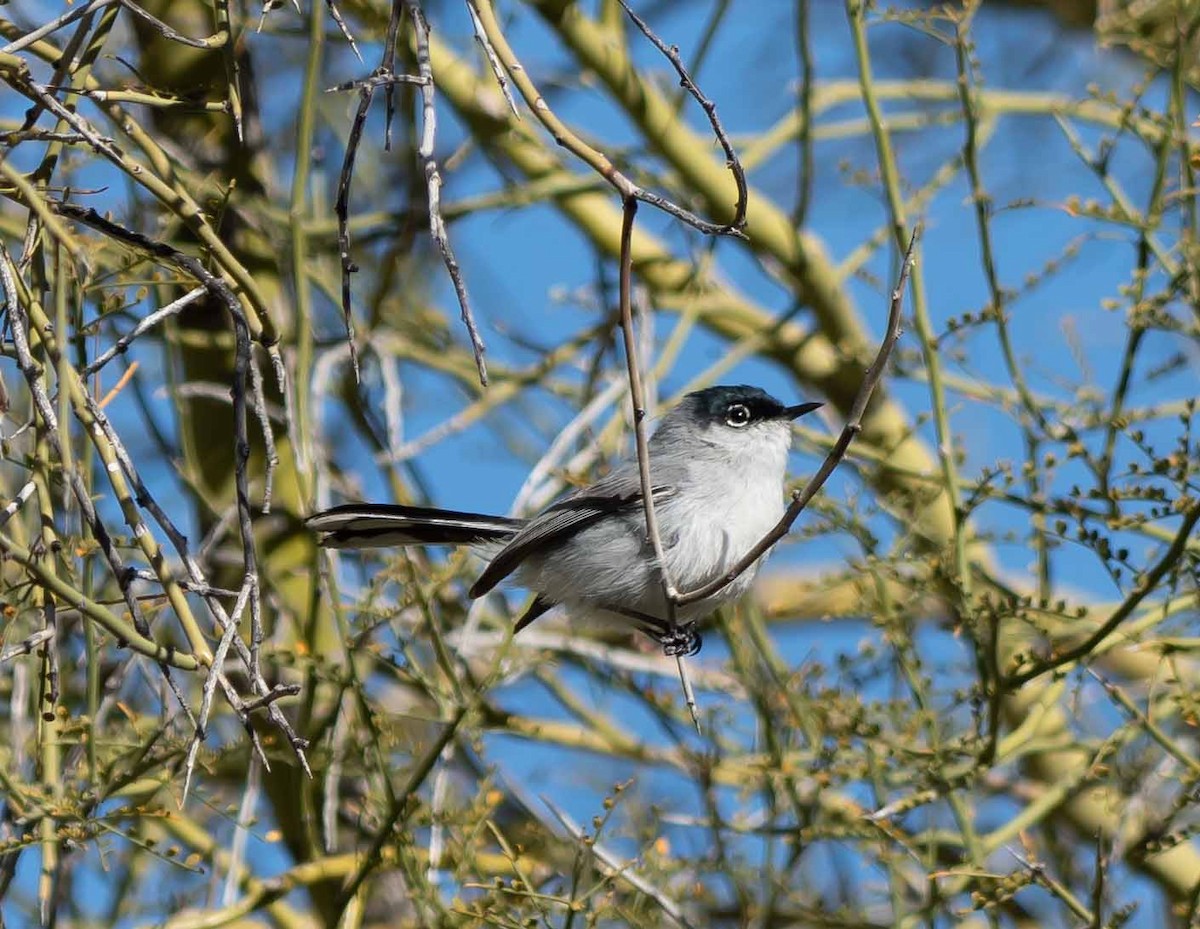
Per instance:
x=681, y=640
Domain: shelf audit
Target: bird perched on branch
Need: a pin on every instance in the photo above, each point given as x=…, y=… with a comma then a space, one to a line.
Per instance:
x=717, y=467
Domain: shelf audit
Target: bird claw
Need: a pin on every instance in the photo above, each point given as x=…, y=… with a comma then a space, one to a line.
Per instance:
x=682, y=640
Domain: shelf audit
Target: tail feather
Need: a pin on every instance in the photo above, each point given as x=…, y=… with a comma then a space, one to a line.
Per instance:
x=374, y=525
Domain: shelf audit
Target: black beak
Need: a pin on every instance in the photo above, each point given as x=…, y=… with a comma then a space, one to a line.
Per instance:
x=795, y=412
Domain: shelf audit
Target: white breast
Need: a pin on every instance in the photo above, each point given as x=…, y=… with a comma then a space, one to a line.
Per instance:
x=724, y=522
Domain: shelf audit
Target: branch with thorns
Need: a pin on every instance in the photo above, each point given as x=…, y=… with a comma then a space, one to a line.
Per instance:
x=385, y=76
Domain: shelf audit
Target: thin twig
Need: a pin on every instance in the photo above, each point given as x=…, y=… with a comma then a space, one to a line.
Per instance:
x=241, y=833
x=173, y=35
x=383, y=76
x=258, y=402
x=336, y=14
x=541, y=485
x=233, y=70
x=710, y=110
x=50, y=655
x=200, y=732
x=1038, y=872
x=217, y=393
x=433, y=183
x=612, y=866
x=52, y=26
x=115, y=390
x=493, y=61
x=338, y=736
x=270, y=6
x=373, y=81
x=144, y=325
x=804, y=110
x=388, y=64
x=569, y=140
x=342, y=211
x=1142, y=718
x=278, y=692
x=16, y=503
x=27, y=645
x=637, y=398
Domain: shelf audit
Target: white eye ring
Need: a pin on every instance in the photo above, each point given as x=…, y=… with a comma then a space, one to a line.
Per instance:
x=738, y=415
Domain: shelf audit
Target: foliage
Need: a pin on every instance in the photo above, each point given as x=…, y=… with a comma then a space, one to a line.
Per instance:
x=964, y=694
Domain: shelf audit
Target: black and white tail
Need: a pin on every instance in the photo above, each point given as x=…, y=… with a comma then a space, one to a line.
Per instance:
x=377, y=525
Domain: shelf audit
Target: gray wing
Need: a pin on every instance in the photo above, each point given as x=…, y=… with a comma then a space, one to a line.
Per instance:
x=617, y=493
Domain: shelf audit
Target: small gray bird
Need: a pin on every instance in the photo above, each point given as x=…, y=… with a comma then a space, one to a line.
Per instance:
x=717, y=465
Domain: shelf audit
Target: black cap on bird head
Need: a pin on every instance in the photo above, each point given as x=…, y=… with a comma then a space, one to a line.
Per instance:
x=740, y=405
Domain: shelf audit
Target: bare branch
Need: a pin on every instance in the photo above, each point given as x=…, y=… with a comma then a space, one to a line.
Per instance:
x=638, y=399
x=386, y=77
x=710, y=110
x=569, y=140
x=433, y=183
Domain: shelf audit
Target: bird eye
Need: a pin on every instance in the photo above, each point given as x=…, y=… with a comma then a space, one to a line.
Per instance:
x=737, y=415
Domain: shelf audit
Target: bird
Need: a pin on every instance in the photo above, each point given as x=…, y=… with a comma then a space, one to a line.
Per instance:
x=718, y=463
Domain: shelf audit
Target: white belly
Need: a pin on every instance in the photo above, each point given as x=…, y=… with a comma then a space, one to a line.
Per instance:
x=722, y=530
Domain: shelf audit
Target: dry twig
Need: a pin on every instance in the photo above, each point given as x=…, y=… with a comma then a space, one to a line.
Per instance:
x=710, y=110
x=383, y=76
x=569, y=140
x=433, y=183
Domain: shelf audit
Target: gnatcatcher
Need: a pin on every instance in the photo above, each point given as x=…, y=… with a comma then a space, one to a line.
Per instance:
x=717, y=463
